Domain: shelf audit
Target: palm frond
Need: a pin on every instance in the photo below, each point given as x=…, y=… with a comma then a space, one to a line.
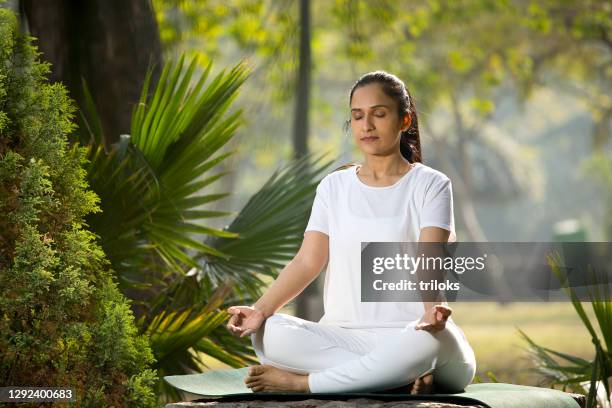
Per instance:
x=579, y=370
x=270, y=227
x=120, y=182
x=154, y=183
x=179, y=339
x=180, y=130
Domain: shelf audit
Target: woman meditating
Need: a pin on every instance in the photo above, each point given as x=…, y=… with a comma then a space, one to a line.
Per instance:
x=363, y=346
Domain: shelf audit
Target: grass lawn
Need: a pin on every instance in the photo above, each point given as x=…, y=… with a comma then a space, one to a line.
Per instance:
x=491, y=328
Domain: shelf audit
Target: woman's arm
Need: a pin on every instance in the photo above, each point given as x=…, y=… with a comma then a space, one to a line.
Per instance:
x=436, y=314
x=303, y=269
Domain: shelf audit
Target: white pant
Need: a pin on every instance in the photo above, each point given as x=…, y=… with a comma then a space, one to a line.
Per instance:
x=341, y=359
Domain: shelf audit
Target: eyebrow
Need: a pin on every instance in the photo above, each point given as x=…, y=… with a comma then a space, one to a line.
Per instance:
x=371, y=107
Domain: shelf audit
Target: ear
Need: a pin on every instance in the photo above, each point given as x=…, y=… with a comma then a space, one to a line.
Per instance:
x=406, y=122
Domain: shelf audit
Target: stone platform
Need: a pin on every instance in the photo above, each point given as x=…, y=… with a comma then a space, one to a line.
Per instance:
x=350, y=403
x=311, y=403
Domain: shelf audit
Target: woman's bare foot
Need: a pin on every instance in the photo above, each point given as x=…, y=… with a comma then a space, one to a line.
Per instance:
x=271, y=379
x=423, y=385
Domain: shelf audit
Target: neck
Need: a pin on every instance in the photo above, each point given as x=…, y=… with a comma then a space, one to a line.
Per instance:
x=384, y=166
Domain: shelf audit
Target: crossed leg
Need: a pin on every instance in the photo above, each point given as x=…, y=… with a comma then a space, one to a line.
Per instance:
x=298, y=355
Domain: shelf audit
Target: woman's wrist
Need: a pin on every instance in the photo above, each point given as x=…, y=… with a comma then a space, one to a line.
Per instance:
x=427, y=306
x=262, y=309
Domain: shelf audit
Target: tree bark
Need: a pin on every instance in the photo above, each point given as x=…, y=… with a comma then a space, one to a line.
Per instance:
x=306, y=303
x=108, y=43
x=300, y=131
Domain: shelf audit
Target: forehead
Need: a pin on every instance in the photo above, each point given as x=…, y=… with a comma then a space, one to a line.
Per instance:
x=370, y=95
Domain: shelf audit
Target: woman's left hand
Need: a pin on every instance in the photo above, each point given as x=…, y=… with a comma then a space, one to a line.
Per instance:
x=434, y=319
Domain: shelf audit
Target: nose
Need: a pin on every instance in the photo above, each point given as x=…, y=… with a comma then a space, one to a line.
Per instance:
x=367, y=123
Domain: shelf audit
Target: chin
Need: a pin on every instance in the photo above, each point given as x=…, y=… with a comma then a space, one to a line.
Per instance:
x=375, y=151
x=369, y=150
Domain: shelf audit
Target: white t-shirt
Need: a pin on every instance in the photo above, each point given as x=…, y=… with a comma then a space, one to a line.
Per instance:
x=351, y=212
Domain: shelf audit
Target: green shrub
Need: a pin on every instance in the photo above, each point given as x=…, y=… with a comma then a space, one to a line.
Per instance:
x=63, y=322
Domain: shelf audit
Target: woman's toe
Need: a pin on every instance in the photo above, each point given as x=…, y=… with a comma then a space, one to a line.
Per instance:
x=416, y=387
x=423, y=385
x=256, y=370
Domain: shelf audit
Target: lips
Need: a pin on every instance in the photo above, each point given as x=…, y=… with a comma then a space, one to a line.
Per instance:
x=369, y=138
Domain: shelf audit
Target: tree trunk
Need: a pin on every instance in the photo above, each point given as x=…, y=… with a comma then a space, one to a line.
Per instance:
x=307, y=304
x=300, y=130
x=108, y=43
x=463, y=193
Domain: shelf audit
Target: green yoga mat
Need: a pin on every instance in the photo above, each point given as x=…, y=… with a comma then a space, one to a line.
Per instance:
x=229, y=384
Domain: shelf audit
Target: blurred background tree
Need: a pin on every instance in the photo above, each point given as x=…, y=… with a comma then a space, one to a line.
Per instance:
x=473, y=65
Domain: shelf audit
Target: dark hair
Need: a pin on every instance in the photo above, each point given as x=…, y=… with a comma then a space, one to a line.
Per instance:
x=410, y=143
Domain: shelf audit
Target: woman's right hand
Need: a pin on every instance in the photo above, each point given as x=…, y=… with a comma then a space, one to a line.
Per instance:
x=245, y=320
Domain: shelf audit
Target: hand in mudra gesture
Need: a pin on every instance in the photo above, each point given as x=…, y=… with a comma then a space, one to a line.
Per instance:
x=245, y=320
x=434, y=319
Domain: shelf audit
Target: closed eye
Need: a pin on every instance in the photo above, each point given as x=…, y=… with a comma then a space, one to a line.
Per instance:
x=378, y=115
